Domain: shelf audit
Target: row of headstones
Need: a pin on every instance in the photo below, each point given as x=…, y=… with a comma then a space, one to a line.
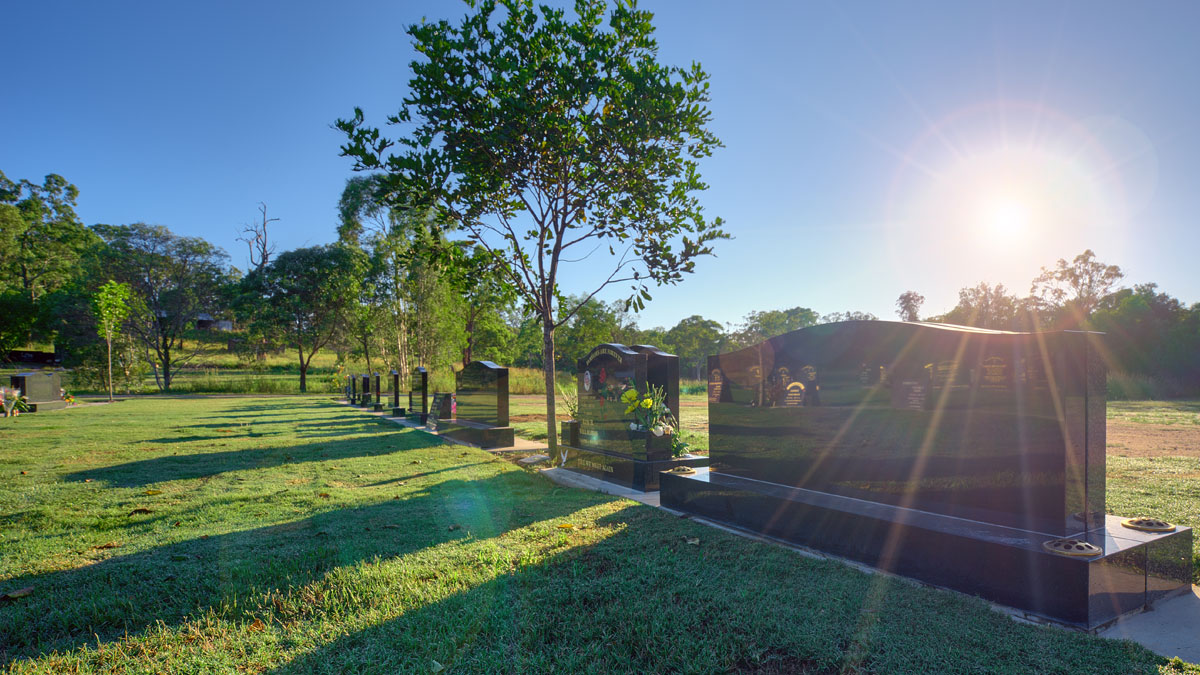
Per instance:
x=477, y=411
x=959, y=446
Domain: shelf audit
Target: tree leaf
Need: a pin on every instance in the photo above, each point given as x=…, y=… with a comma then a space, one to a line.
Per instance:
x=152, y=492
x=694, y=541
x=19, y=593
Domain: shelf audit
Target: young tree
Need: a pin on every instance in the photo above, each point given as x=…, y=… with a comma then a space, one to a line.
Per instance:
x=303, y=297
x=111, y=306
x=173, y=279
x=908, y=306
x=547, y=140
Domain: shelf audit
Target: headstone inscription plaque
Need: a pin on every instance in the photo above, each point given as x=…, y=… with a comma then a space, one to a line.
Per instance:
x=42, y=389
x=612, y=445
x=397, y=411
x=418, y=396
x=927, y=455
x=481, y=417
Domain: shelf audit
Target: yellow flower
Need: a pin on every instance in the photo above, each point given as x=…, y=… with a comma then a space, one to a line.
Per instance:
x=629, y=396
x=646, y=403
x=631, y=408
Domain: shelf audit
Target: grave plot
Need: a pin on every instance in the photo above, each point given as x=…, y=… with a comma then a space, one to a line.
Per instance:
x=628, y=400
x=966, y=458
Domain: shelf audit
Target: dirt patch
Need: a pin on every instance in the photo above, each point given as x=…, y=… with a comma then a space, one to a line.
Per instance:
x=1153, y=440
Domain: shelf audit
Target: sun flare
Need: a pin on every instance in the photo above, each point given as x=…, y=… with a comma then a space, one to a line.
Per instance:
x=1004, y=217
x=998, y=189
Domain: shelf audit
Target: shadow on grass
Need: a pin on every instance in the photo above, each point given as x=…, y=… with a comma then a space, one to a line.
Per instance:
x=383, y=440
x=172, y=583
x=646, y=599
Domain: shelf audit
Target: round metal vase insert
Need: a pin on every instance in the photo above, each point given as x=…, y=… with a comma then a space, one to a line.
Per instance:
x=1076, y=548
x=1148, y=524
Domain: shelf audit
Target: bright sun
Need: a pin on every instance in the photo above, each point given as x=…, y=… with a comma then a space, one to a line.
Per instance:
x=1005, y=218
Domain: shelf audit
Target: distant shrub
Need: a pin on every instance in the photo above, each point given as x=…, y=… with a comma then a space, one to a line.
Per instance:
x=1125, y=387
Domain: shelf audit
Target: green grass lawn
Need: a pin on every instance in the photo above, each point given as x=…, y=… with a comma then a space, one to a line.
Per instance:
x=300, y=536
x=1155, y=412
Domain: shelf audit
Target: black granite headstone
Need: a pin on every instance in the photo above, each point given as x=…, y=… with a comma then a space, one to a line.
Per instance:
x=42, y=389
x=611, y=444
x=481, y=416
x=378, y=395
x=397, y=411
x=418, y=396
x=353, y=389
x=365, y=399
x=944, y=453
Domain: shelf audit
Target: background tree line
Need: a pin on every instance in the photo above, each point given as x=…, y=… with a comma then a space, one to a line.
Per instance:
x=393, y=292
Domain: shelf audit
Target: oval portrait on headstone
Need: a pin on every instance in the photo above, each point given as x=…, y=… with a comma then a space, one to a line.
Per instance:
x=587, y=380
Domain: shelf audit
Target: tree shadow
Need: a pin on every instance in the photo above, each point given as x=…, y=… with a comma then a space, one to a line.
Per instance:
x=205, y=464
x=170, y=584
x=648, y=598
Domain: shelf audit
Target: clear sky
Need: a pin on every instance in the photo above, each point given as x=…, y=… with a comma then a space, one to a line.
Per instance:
x=871, y=147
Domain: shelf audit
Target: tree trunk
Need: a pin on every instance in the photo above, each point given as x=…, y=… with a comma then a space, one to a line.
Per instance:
x=108, y=339
x=166, y=365
x=303, y=371
x=470, y=338
x=548, y=370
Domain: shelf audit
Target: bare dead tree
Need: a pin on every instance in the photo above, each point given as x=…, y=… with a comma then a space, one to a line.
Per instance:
x=255, y=236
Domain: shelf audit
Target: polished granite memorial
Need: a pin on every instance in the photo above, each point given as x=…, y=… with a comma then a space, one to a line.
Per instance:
x=397, y=411
x=364, y=397
x=610, y=445
x=378, y=394
x=947, y=454
x=418, y=396
x=481, y=413
x=351, y=390
x=41, y=389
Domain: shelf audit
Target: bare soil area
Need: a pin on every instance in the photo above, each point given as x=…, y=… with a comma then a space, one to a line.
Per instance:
x=1153, y=440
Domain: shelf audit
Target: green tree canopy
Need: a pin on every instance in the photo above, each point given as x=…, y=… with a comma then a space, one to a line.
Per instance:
x=302, y=298
x=173, y=280
x=548, y=139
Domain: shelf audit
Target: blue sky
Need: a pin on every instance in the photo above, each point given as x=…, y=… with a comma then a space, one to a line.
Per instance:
x=870, y=147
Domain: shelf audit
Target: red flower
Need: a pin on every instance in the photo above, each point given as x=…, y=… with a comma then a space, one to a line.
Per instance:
x=603, y=376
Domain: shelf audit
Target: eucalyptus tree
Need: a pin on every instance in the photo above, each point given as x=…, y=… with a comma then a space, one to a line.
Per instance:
x=552, y=140
x=302, y=298
x=42, y=242
x=1066, y=295
x=173, y=280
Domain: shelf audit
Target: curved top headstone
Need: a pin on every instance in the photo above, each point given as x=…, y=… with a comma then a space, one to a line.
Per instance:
x=996, y=426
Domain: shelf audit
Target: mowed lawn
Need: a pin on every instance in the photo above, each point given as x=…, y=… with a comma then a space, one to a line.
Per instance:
x=300, y=536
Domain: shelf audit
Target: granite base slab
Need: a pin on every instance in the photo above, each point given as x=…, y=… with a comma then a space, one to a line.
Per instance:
x=638, y=474
x=42, y=406
x=479, y=434
x=998, y=563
